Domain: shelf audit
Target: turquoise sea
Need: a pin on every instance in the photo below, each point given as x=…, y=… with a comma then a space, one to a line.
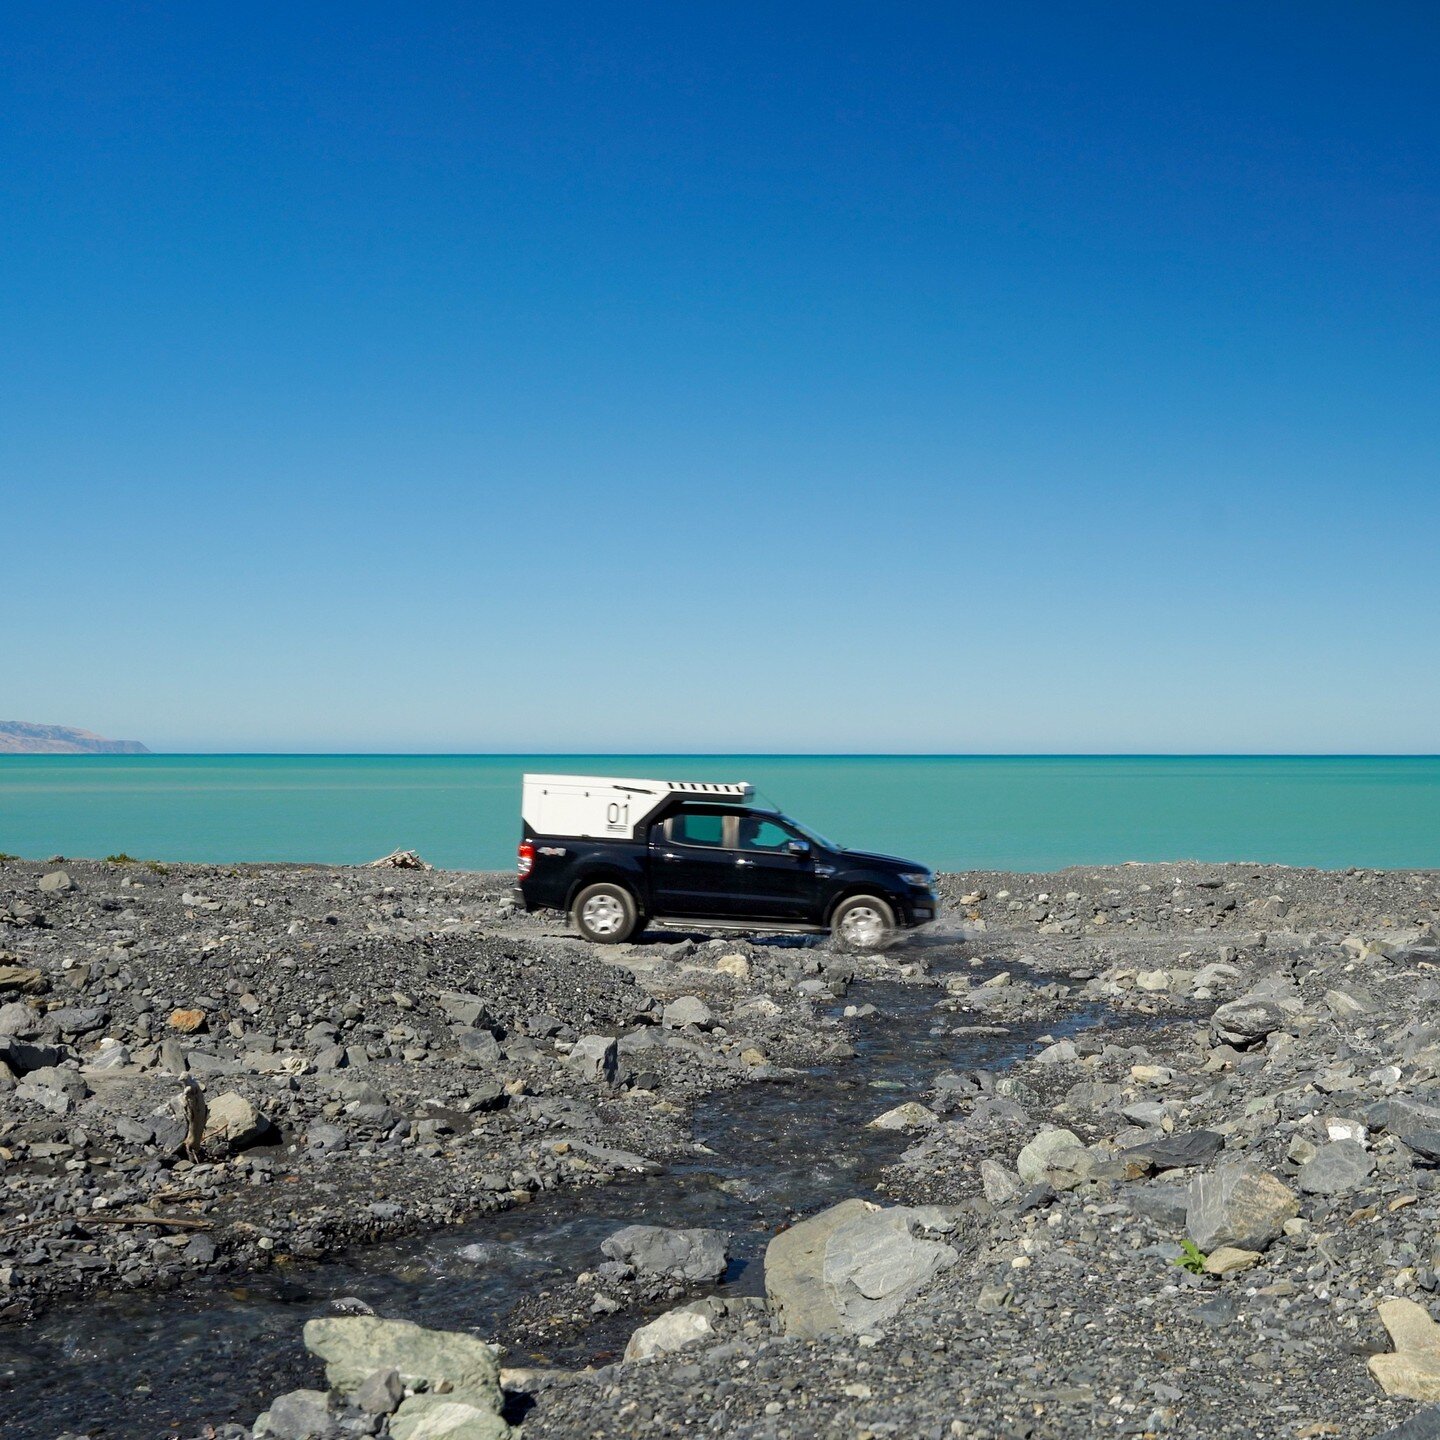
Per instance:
x=952, y=812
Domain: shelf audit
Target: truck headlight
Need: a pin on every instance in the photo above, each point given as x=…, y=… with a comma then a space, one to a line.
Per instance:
x=918, y=877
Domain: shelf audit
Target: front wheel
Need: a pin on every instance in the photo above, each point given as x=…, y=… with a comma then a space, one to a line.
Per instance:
x=863, y=922
x=605, y=913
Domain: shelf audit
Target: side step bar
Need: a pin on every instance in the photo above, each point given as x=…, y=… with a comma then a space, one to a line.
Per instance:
x=764, y=927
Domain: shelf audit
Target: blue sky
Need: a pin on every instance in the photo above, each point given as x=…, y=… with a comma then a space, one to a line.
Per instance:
x=844, y=377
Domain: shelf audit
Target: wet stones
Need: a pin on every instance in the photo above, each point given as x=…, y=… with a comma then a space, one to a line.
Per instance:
x=354, y=1347
x=907, y=1117
x=1238, y=1205
x=696, y=1256
x=298, y=1415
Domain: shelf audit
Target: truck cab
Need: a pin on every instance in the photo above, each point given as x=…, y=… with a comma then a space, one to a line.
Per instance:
x=702, y=856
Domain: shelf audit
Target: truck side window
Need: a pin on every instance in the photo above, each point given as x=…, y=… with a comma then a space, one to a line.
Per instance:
x=687, y=829
x=758, y=834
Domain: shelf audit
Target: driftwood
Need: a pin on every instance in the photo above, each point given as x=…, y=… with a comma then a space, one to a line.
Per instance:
x=168, y=1222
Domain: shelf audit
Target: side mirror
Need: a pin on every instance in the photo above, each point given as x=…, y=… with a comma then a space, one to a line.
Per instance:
x=798, y=848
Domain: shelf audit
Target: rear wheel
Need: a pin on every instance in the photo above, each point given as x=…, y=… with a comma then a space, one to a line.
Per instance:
x=863, y=922
x=605, y=913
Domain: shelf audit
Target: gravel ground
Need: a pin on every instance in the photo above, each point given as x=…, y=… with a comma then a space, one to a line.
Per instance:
x=1267, y=1088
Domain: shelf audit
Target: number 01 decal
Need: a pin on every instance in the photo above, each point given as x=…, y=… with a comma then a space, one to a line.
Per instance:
x=617, y=816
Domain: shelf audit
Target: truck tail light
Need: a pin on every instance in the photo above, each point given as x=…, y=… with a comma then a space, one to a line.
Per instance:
x=525, y=858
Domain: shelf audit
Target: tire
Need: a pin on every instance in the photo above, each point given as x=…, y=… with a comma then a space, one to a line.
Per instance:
x=863, y=922
x=606, y=914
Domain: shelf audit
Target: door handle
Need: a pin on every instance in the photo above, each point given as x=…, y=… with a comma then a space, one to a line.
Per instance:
x=668, y=855
x=741, y=860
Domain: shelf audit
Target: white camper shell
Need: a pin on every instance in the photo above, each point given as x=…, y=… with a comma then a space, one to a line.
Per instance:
x=602, y=807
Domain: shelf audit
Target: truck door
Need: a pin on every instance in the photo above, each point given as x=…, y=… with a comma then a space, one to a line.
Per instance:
x=691, y=871
x=778, y=883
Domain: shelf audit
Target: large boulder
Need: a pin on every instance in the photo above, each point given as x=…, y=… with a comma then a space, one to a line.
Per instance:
x=443, y=1417
x=695, y=1255
x=1247, y=1021
x=233, y=1119
x=354, y=1347
x=849, y=1268
x=1238, y=1205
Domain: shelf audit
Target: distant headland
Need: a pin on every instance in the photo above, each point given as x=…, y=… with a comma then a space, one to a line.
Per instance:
x=20, y=737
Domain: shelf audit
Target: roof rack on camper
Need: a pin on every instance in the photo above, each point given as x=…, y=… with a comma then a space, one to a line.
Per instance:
x=590, y=806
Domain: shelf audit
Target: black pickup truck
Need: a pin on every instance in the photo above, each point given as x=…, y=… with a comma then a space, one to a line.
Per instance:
x=696, y=860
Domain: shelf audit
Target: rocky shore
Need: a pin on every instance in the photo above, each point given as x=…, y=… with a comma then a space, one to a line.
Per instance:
x=1205, y=1204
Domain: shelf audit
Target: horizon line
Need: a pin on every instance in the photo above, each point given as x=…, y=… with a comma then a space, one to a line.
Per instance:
x=736, y=754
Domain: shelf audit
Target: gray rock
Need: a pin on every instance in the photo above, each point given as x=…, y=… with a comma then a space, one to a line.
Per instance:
x=1239, y=1205
x=687, y=1010
x=848, y=1269
x=354, y=1347
x=597, y=1057
x=323, y=1136
x=477, y=1047
x=1247, y=1021
x=379, y=1393
x=233, y=1119
x=1336, y=1169
x=1034, y=1160
x=200, y=1250
x=173, y=1056
x=443, y=1417
x=1166, y=1202
x=1399, y=1113
x=76, y=1019
x=1000, y=1185
x=1422, y=1425
x=300, y=1415
x=1174, y=1152
x=467, y=1009
x=23, y=1056
x=1423, y=1142
x=694, y=1255
x=674, y=1330
x=18, y=1018
x=57, y=882
x=111, y=1055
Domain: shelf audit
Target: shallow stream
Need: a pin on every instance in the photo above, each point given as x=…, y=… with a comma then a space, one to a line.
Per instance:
x=143, y=1364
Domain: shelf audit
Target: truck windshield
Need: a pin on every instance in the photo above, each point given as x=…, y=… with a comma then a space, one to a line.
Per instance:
x=813, y=836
